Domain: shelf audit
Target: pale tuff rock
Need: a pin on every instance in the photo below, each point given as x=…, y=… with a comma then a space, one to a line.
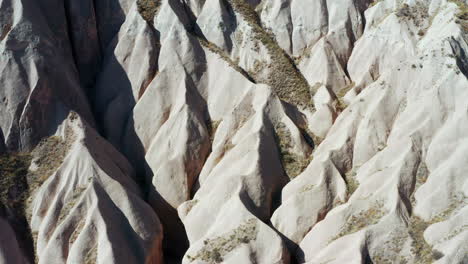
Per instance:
x=229, y=185
x=82, y=198
x=34, y=44
x=83, y=203
x=393, y=137
x=322, y=120
x=129, y=65
x=233, y=131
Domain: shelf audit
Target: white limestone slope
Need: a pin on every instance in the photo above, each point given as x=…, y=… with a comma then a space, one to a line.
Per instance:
x=35, y=65
x=194, y=90
x=396, y=142
x=89, y=200
x=83, y=205
x=232, y=131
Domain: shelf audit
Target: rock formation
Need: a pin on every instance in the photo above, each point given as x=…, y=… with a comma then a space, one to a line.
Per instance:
x=233, y=131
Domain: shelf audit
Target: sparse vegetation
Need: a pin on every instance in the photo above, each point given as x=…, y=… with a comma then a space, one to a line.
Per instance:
x=417, y=13
x=340, y=103
x=77, y=231
x=13, y=182
x=351, y=183
x=70, y=203
x=374, y=3
x=49, y=154
x=422, y=174
x=419, y=247
x=284, y=78
x=307, y=188
x=363, y=219
x=190, y=204
x=421, y=250
x=91, y=256
x=462, y=14
x=212, y=126
x=215, y=249
x=14, y=191
x=148, y=9
x=18, y=182
x=463, y=9
x=456, y=232
x=227, y=146
x=223, y=55
x=391, y=252
x=293, y=164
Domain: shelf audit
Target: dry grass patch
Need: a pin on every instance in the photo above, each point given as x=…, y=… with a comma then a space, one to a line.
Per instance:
x=49, y=155
x=215, y=249
x=340, y=103
x=293, y=164
x=285, y=79
x=148, y=9
x=13, y=183
x=421, y=250
x=70, y=203
x=351, y=183
x=391, y=251
x=91, y=256
x=418, y=13
x=361, y=220
x=462, y=14
x=14, y=192
x=419, y=247
x=79, y=227
x=212, y=127
x=190, y=204
x=223, y=55
x=374, y=3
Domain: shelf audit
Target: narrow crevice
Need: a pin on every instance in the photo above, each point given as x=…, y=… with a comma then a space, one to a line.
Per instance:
x=66, y=7
x=96, y=19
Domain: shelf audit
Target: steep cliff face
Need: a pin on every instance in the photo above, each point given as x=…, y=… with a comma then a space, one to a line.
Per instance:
x=233, y=131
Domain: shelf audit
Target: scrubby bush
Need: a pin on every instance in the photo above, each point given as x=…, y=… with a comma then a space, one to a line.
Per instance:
x=148, y=9
x=13, y=181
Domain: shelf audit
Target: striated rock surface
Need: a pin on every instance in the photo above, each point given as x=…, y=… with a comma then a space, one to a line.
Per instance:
x=233, y=131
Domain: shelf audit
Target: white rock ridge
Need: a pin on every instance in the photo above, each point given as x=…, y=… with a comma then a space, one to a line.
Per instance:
x=233, y=131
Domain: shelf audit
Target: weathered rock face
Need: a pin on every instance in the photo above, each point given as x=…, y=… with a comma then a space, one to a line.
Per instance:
x=233, y=131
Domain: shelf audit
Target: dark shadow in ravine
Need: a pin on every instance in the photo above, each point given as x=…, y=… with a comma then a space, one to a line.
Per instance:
x=126, y=140
x=113, y=107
